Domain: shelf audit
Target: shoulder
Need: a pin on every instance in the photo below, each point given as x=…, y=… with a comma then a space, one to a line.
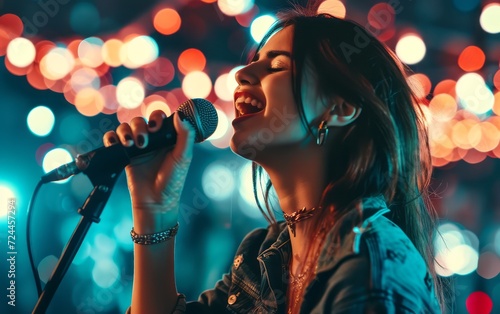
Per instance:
x=377, y=267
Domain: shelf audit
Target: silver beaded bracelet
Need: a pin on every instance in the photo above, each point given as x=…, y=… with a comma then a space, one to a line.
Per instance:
x=154, y=238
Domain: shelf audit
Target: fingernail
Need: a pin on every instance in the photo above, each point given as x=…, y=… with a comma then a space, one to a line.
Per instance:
x=152, y=123
x=129, y=139
x=140, y=140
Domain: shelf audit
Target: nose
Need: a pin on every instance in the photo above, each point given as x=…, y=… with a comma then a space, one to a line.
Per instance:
x=246, y=75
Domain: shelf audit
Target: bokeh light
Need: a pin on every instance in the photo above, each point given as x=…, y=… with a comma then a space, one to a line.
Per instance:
x=191, y=60
x=160, y=72
x=139, y=51
x=197, y=85
x=218, y=182
x=479, y=302
x=41, y=121
x=381, y=16
x=333, y=7
x=222, y=126
x=21, y=52
x=489, y=18
x=105, y=272
x=55, y=158
x=420, y=84
x=111, y=51
x=443, y=107
x=85, y=18
x=167, y=21
x=46, y=267
x=260, y=26
x=411, y=49
x=130, y=93
x=6, y=194
x=456, y=253
x=90, y=52
x=221, y=87
x=472, y=58
x=489, y=265
x=84, y=78
x=234, y=7
x=57, y=63
x=473, y=93
x=89, y=102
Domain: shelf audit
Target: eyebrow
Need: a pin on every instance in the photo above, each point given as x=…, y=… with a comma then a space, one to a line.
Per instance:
x=272, y=54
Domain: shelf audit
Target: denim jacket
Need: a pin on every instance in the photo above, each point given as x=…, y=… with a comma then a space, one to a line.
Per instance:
x=373, y=268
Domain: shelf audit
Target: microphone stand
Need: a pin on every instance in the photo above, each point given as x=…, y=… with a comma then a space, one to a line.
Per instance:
x=103, y=176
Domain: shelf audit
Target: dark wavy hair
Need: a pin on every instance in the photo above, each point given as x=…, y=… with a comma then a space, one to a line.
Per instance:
x=385, y=151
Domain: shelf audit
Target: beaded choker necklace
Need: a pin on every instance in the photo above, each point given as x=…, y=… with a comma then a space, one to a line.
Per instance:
x=301, y=214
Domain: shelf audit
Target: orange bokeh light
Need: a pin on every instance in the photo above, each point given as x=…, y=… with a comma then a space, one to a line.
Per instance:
x=460, y=133
x=89, y=102
x=381, y=16
x=496, y=104
x=333, y=7
x=446, y=87
x=191, y=60
x=484, y=136
x=420, y=84
x=443, y=107
x=496, y=80
x=208, y=1
x=472, y=58
x=36, y=79
x=167, y=21
x=111, y=52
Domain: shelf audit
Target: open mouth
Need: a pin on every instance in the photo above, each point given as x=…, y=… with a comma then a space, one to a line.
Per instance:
x=247, y=104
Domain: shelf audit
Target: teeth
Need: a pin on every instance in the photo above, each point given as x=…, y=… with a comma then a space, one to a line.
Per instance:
x=247, y=100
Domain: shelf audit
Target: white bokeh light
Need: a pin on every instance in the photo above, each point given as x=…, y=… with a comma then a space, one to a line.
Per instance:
x=411, y=49
x=197, y=84
x=55, y=158
x=40, y=121
x=490, y=18
x=90, y=52
x=260, y=26
x=218, y=182
x=235, y=7
x=222, y=87
x=6, y=195
x=456, y=251
x=130, y=93
x=473, y=93
x=57, y=63
x=139, y=51
x=21, y=52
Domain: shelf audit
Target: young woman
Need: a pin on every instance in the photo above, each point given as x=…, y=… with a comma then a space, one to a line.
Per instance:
x=324, y=110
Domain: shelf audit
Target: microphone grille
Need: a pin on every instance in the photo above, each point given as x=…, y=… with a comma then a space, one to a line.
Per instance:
x=202, y=116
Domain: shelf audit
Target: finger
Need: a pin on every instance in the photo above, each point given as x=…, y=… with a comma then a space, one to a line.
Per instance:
x=156, y=120
x=110, y=138
x=139, y=131
x=183, y=150
x=125, y=134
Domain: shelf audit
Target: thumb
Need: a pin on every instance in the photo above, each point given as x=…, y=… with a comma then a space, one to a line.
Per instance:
x=183, y=150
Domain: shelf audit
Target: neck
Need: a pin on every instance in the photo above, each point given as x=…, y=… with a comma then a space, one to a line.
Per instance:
x=299, y=179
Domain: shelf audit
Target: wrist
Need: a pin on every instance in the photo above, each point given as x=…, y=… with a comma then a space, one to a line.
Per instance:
x=146, y=222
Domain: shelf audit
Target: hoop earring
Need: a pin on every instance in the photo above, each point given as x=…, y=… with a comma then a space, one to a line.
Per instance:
x=322, y=133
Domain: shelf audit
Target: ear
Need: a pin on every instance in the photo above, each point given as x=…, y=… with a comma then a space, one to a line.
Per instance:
x=343, y=114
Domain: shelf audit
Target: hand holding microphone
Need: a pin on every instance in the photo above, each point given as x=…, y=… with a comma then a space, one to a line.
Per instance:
x=157, y=155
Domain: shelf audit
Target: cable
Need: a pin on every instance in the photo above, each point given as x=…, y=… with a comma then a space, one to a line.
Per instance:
x=28, y=238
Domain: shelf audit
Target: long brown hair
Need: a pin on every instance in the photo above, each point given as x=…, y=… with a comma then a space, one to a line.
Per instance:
x=385, y=151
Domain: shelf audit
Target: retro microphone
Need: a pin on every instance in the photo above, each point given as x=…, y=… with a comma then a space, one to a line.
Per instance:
x=200, y=113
